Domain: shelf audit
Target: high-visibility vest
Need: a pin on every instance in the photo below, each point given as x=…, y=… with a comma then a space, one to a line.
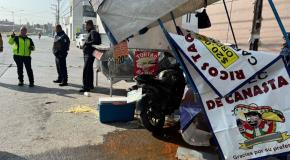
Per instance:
x=21, y=46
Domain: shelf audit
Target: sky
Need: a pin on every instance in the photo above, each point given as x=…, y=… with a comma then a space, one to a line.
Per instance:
x=34, y=11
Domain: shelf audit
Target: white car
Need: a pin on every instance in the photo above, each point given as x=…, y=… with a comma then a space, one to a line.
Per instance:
x=80, y=40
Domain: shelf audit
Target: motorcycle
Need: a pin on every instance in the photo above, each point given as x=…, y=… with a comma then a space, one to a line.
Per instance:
x=161, y=96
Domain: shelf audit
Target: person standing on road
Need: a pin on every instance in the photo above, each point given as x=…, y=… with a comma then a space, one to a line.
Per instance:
x=60, y=50
x=93, y=38
x=22, y=47
x=39, y=35
x=1, y=43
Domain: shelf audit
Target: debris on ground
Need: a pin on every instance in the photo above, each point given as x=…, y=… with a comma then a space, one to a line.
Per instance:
x=81, y=109
x=190, y=154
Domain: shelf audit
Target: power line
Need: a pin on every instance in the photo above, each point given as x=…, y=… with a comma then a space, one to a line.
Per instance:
x=72, y=8
x=67, y=8
x=55, y=8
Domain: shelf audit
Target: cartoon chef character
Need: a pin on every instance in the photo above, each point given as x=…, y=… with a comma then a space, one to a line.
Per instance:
x=254, y=121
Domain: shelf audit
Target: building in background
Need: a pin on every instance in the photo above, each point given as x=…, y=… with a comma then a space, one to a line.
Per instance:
x=75, y=16
x=241, y=12
x=45, y=29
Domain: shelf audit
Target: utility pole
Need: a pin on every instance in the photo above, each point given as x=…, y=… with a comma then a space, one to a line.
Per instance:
x=257, y=25
x=56, y=10
x=13, y=20
x=58, y=6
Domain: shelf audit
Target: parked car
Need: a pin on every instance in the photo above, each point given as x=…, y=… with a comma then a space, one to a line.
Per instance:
x=80, y=40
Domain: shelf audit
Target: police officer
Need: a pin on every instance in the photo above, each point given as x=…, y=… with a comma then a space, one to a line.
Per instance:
x=22, y=47
x=93, y=38
x=60, y=50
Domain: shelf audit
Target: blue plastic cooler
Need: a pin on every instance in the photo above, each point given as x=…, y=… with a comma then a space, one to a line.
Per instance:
x=115, y=109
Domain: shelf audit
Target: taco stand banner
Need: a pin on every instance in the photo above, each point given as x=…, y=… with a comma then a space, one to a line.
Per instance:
x=219, y=64
x=244, y=94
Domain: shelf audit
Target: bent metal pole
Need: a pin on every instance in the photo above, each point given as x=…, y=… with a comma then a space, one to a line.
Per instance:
x=279, y=22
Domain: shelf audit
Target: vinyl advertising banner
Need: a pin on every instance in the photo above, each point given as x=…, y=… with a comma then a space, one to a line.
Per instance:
x=219, y=64
x=145, y=62
x=252, y=119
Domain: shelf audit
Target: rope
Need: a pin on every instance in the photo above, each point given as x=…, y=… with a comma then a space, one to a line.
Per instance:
x=230, y=23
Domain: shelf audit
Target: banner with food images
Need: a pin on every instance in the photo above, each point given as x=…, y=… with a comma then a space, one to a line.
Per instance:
x=146, y=62
x=219, y=64
x=254, y=120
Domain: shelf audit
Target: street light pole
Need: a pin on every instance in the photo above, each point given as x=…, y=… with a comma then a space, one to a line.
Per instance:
x=13, y=20
x=58, y=8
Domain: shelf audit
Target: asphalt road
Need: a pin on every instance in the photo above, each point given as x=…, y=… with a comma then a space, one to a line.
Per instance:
x=35, y=123
x=32, y=120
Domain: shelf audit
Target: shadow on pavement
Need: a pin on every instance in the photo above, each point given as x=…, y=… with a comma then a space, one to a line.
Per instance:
x=116, y=92
x=9, y=156
x=41, y=90
x=135, y=124
x=103, y=90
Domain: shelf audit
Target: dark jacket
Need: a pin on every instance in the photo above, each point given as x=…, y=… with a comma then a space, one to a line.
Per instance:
x=61, y=44
x=93, y=38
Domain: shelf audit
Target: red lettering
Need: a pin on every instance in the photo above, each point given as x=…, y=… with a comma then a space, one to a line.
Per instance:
x=240, y=74
x=219, y=102
x=257, y=90
x=272, y=83
x=265, y=87
x=195, y=58
x=229, y=100
x=232, y=75
x=192, y=48
x=224, y=75
x=213, y=71
x=238, y=97
x=188, y=38
x=282, y=82
x=204, y=66
x=210, y=104
x=247, y=93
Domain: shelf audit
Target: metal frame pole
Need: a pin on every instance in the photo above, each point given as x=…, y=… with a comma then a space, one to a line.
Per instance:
x=230, y=23
x=279, y=22
x=256, y=26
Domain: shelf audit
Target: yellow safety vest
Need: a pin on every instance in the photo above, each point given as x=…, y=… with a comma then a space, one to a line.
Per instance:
x=21, y=46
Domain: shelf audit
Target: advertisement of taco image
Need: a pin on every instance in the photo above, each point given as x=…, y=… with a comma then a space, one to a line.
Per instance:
x=258, y=124
x=145, y=63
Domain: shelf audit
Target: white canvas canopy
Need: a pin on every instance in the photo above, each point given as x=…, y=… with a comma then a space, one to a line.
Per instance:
x=126, y=17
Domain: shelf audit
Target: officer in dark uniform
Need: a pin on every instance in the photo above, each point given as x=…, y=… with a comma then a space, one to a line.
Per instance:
x=93, y=38
x=60, y=50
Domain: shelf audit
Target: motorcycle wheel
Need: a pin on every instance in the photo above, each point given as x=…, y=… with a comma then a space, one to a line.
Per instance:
x=152, y=121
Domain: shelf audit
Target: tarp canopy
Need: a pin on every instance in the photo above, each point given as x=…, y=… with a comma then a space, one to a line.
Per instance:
x=126, y=17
